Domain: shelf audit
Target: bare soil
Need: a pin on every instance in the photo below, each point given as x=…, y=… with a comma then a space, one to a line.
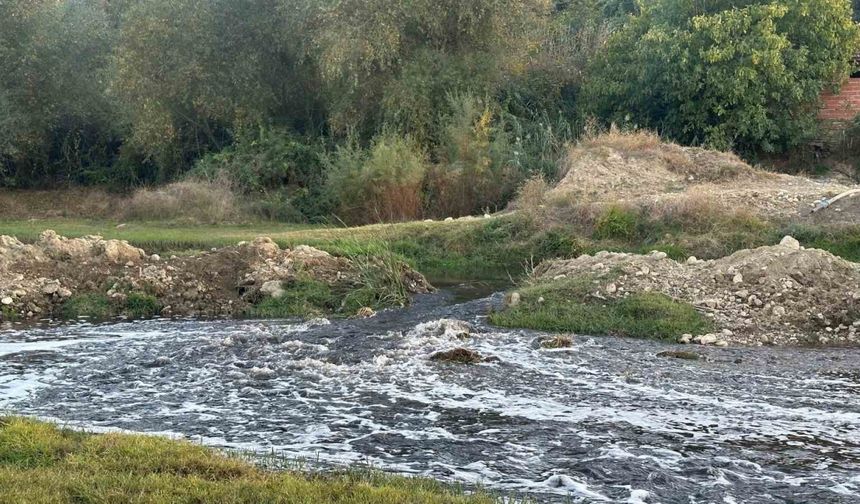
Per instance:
x=36, y=280
x=639, y=169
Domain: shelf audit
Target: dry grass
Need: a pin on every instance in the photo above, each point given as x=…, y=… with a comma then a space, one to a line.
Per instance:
x=73, y=202
x=690, y=162
x=201, y=202
x=531, y=198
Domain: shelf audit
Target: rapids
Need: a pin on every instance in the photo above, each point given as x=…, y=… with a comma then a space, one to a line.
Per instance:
x=604, y=421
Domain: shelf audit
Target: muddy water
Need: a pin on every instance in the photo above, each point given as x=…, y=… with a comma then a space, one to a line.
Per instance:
x=604, y=421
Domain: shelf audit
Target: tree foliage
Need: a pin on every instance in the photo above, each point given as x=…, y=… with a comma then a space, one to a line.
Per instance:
x=732, y=74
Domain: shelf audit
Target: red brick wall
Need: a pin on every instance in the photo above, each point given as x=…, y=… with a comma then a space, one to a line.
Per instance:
x=843, y=106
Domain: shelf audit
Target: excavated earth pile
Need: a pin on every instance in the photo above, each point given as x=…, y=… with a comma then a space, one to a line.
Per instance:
x=640, y=170
x=37, y=279
x=783, y=294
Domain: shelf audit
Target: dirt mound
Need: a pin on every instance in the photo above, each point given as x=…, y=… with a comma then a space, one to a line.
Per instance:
x=38, y=279
x=781, y=294
x=638, y=168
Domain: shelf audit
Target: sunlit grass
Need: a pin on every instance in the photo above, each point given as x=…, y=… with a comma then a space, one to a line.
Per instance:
x=40, y=463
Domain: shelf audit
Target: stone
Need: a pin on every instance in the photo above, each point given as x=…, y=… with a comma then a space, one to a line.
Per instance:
x=738, y=278
x=6, y=301
x=692, y=260
x=721, y=343
x=273, y=288
x=514, y=299
x=685, y=338
x=790, y=242
x=779, y=311
x=707, y=339
x=680, y=354
x=51, y=288
x=365, y=312
x=611, y=288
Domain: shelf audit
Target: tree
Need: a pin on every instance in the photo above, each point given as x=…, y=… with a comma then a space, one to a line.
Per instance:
x=57, y=121
x=731, y=74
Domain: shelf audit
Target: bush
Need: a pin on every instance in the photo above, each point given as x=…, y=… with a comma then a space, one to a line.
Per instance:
x=209, y=202
x=139, y=305
x=742, y=76
x=478, y=167
x=380, y=184
x=280, y=174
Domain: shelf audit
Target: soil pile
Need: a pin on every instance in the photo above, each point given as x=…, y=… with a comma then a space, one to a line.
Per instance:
x=782, y=294
x=36, y=280
x=640, y=169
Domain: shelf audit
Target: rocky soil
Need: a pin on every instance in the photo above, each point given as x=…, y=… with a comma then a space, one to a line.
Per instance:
x=782, y=294
x=640, y=170
x=37, y=279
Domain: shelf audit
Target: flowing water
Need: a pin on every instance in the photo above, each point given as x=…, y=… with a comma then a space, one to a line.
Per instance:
x=604, y=421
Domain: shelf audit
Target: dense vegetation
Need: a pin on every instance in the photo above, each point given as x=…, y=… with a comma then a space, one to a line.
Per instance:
x=42, y=463
x=389, y=110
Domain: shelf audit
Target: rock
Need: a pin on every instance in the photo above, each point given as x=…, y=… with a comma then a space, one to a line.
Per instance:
x=448, y=219
x=459, y=355
x=120, y=252
x=692, y=260
x=611, y=288
x=721, y=343
x=779, y=311
x=6, y=301
x=51, y=288
x=365, y=312
x=789, y=242
x=738, y=278
x=263, y=373
x=560, y=341
x=685, y=338
x=155, y=257
x=706, y=339
x=513, y=299
x=64, y=293
x=273, y=288
x=541, y=300
x=680, y=354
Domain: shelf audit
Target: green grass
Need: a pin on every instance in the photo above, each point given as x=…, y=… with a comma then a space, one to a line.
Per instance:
x=92, y=306
x=568, y=307
x=40, y=463
x=99, y=307
x=302, y=298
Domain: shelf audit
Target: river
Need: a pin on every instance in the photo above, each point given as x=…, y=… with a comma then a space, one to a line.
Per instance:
x=604, y=421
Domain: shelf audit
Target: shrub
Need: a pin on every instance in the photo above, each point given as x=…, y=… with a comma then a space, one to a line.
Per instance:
x=735, y=76
x=197, y=201
x=382, y=183
x=139, y=305
x=280, y=174
x=478, y=167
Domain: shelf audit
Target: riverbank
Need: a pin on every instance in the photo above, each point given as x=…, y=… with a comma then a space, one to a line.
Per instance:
x=40, y=462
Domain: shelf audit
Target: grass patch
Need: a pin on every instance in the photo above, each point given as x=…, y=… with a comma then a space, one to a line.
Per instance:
x=568, y=307
x=139, y=305
x=92, y=306
x=99, y=307
x=42, y=463
x=302, y=298
x=8, y=314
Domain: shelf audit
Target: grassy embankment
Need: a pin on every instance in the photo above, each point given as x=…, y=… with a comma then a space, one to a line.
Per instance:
x=500, y=247
x=40, y=463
